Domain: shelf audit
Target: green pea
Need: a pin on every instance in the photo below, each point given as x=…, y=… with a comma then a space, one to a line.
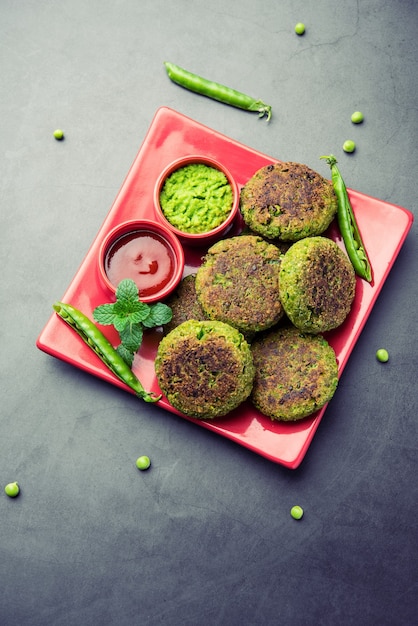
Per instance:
x=349, y=146
x=143, y=463
x=59, y=134
x=12, y=490
x=296, y=512
x=299, y=28
x=357, y=117
x=382, y=355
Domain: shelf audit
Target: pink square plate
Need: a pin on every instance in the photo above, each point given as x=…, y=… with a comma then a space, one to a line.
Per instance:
x=170, y=136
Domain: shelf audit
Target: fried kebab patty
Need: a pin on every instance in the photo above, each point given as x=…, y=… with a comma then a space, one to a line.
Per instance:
x=317, y=284
x=296, y=373
x=204, y=368
x=288, y=201
x=184, y=304
x=238, y=283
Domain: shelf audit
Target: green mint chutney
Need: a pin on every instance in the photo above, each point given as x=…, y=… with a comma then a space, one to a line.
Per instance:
x=196, y=198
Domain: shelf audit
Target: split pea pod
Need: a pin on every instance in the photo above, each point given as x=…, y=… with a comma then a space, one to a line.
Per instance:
x=347, y=223
x=97, y=342
x=216, y=91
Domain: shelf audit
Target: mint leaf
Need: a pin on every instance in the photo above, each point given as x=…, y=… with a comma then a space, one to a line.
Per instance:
x=130, y=316
x=132, y=313
x=131, y=337
x=104, y=314
x=126, y=355
x=127, y=291
x=159, y=314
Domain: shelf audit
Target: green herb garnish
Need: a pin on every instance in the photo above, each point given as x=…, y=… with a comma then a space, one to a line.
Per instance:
x=130, y=316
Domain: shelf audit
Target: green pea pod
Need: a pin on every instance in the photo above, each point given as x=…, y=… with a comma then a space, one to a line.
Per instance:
x=216, y=91
x=347, y=223
x=97, y=342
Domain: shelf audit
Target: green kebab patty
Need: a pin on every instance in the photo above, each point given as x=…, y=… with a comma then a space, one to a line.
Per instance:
x=204, y=368
x=238, y=283
x=288, y=201
x=296, y=373
x=184, y=304
x=317, y=284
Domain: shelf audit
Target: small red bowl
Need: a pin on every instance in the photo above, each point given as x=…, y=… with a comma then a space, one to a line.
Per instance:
x=147, y=252
x=201, y=238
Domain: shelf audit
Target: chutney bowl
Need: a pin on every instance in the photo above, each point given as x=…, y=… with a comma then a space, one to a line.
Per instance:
x=145, y=251
x=187, y=198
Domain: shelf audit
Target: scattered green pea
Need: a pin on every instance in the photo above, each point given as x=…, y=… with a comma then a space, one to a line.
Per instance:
x=143, y=463
x=357, y=117
x=299, y=28
x=59, y=134
x=296, y=512
x=349, y=146
x=382, y=355
x=12, y=490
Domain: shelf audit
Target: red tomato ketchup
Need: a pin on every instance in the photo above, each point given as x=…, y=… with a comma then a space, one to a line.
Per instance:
x=144, y=257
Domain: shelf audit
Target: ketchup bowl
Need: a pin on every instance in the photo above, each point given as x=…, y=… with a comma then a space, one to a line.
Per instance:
x=148, y=253
x=197, y=198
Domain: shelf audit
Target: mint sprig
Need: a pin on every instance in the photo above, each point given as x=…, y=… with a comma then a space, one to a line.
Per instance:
x=130, y=317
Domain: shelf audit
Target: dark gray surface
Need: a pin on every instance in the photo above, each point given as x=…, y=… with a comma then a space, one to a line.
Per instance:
x=205, y=536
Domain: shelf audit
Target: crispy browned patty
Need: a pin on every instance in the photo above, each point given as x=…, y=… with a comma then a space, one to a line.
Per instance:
x=238, y=283
x=204, y=368
x=296, y=373
x=184, y=304
x=317, y=284
x=288, y=201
